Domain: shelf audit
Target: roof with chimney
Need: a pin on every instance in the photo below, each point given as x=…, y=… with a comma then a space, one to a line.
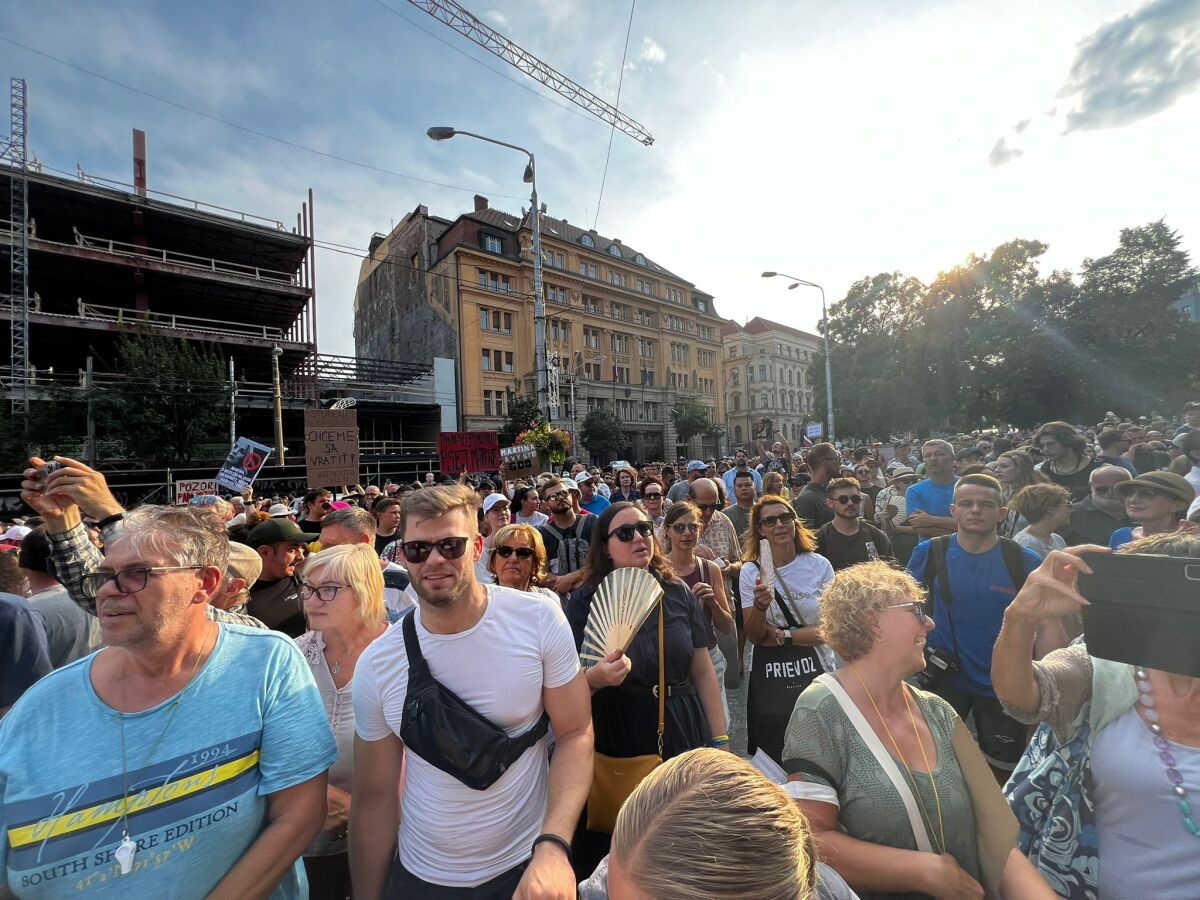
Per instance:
x=759, y=325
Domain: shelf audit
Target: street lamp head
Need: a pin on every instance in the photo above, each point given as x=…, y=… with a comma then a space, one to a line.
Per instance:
x=769, y=274
x=792, y=287
x=441, y=133
x=528, y=176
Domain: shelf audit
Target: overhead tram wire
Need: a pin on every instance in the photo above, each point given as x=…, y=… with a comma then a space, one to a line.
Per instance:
x=616, y=105
x=246, y=128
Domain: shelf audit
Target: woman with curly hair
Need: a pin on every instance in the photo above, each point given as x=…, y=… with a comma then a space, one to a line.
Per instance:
x=872, y=761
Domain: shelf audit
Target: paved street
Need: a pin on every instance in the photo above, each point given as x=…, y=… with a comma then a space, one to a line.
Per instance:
x=737, y=709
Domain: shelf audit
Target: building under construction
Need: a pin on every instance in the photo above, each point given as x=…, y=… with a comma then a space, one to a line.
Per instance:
x=86, y=260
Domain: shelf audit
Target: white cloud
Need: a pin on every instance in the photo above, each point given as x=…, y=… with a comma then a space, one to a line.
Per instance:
x=652, y=52
x=497, y=18
x=1002, y=153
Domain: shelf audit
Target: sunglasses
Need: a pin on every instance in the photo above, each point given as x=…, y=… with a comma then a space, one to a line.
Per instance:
x=657, y=495
x=772, y=521
x=848, y=500
x=1103, y=489
x=685, y=528
x=522, y=552
x=447, y=548
x=129, y=581
x=916, y=608
x=707, y=506
x=559, y=495
x=625, y=533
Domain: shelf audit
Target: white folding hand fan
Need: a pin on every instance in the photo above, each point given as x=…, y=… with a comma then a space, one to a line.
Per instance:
x=766, y=564
x=621, y=605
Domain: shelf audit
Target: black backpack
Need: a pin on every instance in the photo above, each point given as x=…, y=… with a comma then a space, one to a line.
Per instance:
x=935, y=565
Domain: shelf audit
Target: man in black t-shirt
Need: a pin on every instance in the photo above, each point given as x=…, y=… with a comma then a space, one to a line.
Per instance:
x=811, y=506
x=848, y=540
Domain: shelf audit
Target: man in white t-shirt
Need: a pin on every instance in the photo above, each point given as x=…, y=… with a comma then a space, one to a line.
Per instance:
x=509, y=656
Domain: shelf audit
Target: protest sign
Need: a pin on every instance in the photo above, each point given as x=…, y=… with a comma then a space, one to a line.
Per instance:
x=186, y=490
x=518, y=462
x=242, y=465
x=468, y=451
x=813, y=430
x=331, y=446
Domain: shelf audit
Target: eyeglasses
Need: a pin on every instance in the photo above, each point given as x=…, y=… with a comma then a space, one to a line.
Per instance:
x=703, y=507
x=447, y=548
x=657, y=495
x=771, y=521
x=557, y=495
x=324, y=592
x=848, y=500
x=1103, y=490
x=916, y=607
x=685, y=528
x=1145, y=493
x=129, y=581
x=624, y=534
x=522, y=552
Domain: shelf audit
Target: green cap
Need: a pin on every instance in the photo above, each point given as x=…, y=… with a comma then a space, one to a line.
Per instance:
x=277, y=531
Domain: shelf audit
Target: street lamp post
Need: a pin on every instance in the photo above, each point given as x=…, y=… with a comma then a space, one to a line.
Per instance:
x=539, y=301
x=796, y=282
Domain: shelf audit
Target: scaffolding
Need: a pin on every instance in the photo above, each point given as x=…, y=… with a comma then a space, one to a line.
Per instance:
x=16, y=152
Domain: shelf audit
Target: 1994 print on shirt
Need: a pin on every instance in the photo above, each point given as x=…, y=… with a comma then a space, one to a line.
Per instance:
x=250, y=724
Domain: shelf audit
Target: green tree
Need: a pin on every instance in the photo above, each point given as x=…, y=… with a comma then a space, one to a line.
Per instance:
x=522, y=413
x=690, y=417
x=173, y=397
x=602, y=433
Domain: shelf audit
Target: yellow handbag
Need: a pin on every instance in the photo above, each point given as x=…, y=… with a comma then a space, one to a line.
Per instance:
x=615, y=777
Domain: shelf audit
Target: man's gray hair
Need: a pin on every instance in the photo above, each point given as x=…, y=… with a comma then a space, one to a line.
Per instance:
x=1106, y=469
x=938, y=442
x=182, y=535
x=353, y=519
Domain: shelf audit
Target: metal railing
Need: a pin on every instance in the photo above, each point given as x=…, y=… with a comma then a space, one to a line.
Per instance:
x=123, y=316
x=174, y=257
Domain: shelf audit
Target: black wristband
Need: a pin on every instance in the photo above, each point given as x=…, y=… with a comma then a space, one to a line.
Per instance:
x=109, y=520
x=555, y=839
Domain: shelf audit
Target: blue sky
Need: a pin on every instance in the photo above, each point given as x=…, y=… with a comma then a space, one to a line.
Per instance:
x=832, y=141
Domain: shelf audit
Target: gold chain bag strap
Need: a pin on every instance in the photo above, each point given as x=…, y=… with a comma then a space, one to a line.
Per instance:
x=615, y=777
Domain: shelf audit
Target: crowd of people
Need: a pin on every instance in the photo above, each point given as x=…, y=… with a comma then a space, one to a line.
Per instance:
x=379, y=691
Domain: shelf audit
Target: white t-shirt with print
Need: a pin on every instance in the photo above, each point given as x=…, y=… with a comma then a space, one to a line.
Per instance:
x=451, y=834
x=806, y=578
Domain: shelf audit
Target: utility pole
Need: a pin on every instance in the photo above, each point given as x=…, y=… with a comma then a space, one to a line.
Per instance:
x=277, y=352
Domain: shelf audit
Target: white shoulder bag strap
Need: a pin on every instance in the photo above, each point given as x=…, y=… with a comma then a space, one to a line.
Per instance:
x=882, y=757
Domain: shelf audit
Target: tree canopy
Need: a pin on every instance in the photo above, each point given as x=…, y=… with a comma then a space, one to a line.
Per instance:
x=602, y=432
x=994, y=340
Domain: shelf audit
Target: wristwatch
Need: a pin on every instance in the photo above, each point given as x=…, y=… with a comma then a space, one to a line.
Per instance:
x=787, y=639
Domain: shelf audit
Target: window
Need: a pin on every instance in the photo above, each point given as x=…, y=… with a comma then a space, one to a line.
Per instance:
x=621, y=374
x=493, y=244
x=586, y=240
x=762, y=376
x=587, y=270
x=645, y=317
x=625, y=409
x=592, y=371
x=734, y=378
x=648, y=377
x=789, y=377
x=553, y=260
x=733, y=351
x=639, y=259
x=701, y=304
x=591, y=305
x=495, y=320
x=591, y=338
x=487, y=403
x=704, y=358
x=618, y=279
x=508, y=360
x=764, y=400
x=493, y=402
x=560, y=330
x=494, y=281
x=621, y=311
x=675, y=323
x=679, y=353
x=650, y=411
x=705, y=332
x=750, y=374
x=487, y=360
x=644, y=286
x=737, y=407
x=620, y=343
x=556, y=294
x=614, y=250
x=645, y=349
x=675, y=295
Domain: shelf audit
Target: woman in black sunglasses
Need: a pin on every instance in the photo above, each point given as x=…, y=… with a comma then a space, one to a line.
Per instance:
x=624, y=707
x=781, y=623
x=518, y=560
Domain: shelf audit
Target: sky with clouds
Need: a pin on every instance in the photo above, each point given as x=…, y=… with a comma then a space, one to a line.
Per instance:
x=830, y=141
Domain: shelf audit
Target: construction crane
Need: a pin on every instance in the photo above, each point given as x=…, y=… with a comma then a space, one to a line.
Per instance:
x=452, y=14
x=15, y=153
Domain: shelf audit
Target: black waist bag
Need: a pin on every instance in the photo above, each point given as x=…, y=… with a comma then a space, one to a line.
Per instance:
x=448, y=734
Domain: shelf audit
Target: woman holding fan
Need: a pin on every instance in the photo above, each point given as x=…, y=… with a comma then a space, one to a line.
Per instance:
x=625, y=708
x=780, y=584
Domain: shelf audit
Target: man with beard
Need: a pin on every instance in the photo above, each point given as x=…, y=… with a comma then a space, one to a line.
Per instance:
x=1101, y=512
x=510, y=657
x=275, y=597
x=566, y=536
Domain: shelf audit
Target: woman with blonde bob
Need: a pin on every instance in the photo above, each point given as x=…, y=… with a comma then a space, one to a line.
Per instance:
x=342, y=591
x=874, y=617
x=518, y=560
x=707, y=824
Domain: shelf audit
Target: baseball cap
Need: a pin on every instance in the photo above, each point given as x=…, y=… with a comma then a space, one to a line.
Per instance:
x=280, y=511
x=239, y=519
x=16, y=533
x=244, y=562
x=584, y=478
x=277, y=531
x=1168, y=482
x=697, y=465
x=571, y=484
x=491, y=500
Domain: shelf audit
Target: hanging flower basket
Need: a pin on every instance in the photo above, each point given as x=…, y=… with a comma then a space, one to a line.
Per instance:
x=552, y=444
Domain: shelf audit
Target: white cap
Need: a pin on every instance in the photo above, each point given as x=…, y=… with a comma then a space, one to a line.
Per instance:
x=491, y=500
x=280, y=511
x=16, y=533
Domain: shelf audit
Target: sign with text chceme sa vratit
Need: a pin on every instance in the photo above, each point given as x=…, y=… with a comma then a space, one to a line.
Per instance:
x=331, y=447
